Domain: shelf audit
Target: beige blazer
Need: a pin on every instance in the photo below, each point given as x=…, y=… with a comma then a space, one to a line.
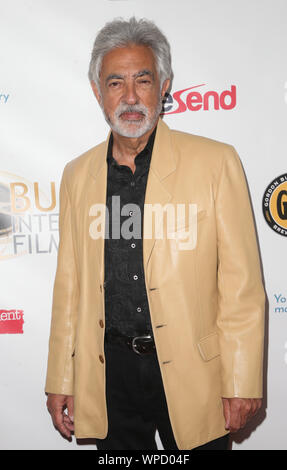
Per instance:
x=206, y=303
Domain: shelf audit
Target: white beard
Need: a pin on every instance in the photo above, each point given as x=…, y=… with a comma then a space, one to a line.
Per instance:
x=133, y=129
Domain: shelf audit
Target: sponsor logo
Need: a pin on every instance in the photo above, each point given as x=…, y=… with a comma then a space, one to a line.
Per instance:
x=275, y=205
x=198, y=98
x=28, y=221
x=11, y=321
x=3, y=98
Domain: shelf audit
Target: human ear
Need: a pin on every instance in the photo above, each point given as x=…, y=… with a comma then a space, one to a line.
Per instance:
x=97, y=92
x=165, y=87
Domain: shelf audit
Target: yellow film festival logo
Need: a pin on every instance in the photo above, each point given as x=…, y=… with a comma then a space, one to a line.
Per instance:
x=275, y=205
x=28, y=217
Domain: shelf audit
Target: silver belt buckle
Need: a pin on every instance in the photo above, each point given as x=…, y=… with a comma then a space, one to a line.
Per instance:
x=133, y=342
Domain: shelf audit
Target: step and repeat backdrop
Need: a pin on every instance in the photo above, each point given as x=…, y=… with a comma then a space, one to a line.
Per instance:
x=230, y=84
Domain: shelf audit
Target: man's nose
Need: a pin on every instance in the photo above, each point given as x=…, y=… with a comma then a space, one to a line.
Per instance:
x=130, y=94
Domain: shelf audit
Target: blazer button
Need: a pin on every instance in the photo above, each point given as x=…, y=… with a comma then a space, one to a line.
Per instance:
x=101, y=323
x=101, y=359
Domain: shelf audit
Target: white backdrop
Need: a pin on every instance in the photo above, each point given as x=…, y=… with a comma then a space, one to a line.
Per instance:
x=50, y=116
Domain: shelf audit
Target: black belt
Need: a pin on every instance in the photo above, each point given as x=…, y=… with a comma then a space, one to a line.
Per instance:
x=139, y=344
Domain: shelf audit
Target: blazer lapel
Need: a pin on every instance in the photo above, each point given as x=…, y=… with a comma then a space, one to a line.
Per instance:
x=162, y=165
x=96, y=195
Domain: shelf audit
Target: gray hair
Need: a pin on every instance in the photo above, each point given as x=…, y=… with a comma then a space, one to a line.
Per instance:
x=121, y=33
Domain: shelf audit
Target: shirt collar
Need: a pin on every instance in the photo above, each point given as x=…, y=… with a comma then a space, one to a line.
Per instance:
x=144, y=156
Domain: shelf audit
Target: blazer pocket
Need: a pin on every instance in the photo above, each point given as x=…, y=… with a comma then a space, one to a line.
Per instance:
x=201, y=215
x=183, y=225
x=209, y=347
x=185, y=237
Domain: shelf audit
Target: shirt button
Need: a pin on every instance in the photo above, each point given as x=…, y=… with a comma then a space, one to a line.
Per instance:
x=139, y=309
x=101, y=323
x=101, y=359
x=135, y=277
x=133, y=245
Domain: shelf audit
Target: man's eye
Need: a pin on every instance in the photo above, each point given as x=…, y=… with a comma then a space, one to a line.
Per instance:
x=114, y=84
x=144, y=82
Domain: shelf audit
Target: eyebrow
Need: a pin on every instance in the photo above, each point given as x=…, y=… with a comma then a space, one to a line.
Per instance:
x=113, y=76
x=141, y=73
x=144, y=72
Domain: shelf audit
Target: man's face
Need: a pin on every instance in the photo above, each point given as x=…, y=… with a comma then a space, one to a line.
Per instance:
x=130, y=94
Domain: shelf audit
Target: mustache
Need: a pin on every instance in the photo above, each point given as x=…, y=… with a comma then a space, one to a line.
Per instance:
x=135, y=108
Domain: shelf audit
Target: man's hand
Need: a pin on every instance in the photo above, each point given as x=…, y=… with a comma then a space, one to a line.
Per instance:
x=56, y=405
x=237, y=411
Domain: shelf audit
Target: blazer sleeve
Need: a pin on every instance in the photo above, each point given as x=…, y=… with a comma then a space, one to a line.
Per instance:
x=241, y=300
x=65, y=303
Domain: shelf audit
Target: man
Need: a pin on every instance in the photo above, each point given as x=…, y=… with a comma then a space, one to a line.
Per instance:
x=153, y=329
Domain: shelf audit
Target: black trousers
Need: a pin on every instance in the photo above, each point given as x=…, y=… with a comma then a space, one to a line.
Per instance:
x=136, y=404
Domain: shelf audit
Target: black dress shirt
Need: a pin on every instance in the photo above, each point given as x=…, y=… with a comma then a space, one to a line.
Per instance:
x=126, y=304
